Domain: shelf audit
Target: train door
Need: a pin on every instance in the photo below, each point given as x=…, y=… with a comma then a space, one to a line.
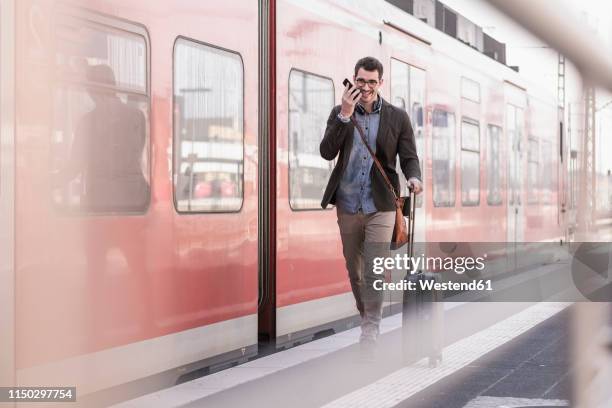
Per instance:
x=309, y=291
x=515, y=124
x=7, y=199
x=408, y=93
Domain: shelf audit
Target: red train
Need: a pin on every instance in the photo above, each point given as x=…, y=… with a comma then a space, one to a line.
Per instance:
x=199, y=125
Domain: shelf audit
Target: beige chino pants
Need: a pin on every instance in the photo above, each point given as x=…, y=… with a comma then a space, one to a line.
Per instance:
x=363, y=238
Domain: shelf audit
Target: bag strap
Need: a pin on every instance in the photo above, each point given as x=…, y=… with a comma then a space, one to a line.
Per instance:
x=376, y=162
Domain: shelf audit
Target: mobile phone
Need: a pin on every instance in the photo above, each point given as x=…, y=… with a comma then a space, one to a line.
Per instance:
x=347, y=82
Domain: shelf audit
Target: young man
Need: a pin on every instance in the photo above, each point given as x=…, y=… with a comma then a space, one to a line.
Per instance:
x=365, y=206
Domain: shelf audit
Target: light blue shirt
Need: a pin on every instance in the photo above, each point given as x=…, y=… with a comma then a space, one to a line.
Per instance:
x=355, y=190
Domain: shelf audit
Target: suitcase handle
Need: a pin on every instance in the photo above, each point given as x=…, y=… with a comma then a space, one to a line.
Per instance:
x=409, y=212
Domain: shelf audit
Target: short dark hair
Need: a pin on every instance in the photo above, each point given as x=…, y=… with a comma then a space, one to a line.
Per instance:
x=369, y=64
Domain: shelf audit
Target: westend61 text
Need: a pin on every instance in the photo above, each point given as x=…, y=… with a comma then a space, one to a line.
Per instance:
x=424, y=284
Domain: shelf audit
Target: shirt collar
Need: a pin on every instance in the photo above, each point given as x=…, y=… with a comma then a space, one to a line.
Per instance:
x=375, y=109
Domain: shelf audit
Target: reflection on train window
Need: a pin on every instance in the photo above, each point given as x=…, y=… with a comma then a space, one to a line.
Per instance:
x=208, y=128
x=443, y=158
x=533, y=164
x=100, y=138
x=494, y=169
x=311, y=98
x=470, y=163
x=408, y=93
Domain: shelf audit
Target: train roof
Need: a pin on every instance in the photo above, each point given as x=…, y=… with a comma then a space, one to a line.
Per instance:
x=459, y=51
x=387, y=23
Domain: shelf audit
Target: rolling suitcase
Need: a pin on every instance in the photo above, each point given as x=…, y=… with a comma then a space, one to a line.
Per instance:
x=422, y=313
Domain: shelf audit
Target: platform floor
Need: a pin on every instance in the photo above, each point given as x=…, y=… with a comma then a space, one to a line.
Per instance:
x=333, y=372
x=531, y=370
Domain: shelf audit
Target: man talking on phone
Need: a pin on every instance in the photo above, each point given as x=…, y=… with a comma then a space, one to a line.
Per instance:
x=365, y=205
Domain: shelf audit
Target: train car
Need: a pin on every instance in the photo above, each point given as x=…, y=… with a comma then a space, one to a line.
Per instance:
x=135, y=190
x=473, y=120
x=161, y=177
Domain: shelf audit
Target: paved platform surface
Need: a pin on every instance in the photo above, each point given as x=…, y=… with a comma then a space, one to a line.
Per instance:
x=332, y=371
x=531, y=370
x=419, y=385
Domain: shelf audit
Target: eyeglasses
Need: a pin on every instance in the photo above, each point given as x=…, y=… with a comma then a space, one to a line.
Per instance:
x=363, y=82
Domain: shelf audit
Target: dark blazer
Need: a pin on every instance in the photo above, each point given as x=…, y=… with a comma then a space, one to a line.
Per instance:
x=395, y=137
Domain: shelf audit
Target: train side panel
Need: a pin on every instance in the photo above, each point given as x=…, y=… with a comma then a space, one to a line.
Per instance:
x=112, y=290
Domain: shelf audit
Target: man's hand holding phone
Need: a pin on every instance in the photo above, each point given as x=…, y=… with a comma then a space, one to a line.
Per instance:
x=349, y=98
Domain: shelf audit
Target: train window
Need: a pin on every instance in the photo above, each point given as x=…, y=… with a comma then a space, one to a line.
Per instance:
x=443, y=158
x=400, y=95
x=515, y=122
x=100, y=136
x=470, y=89
x=311, y=98
x=408, y=93
x=533, y=164
x=470, y=163
x=399, y=102
x=400, y=84
x=208, y=128
x=494, y=169
x=417, y=102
